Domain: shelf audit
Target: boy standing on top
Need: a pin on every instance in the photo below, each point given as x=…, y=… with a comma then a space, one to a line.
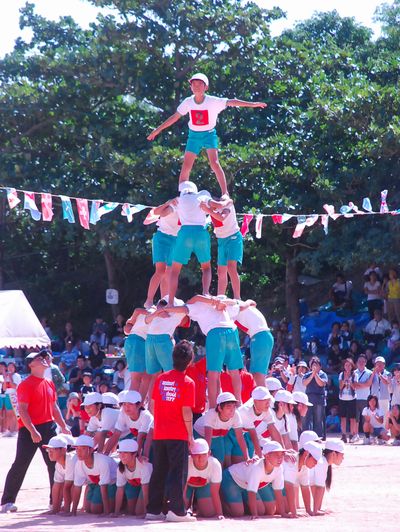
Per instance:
x=203, y=111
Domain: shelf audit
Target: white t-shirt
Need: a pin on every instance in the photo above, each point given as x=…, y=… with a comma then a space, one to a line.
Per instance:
x=142, y=424
x=200, y=477
x=202, y=116
x=141, y=475
x=104, y=471
x=346, y=393
x=297, y=382
x=252, y=321
x=166, y=325
x=253, y=477
x=372, y=419
x=169, y=224
x=208, y=317
x=292, y=425
x=65, y=474
x=292, y=474
x=188, y=208
x=227, y=227
x=318, y=473
x=15, y=379
x=140, y=327
x=249, y=418
x=361, y=377
x=377, y=327
x=220, y=428
x=372, y=286
x=107, y=421
x=395, y=388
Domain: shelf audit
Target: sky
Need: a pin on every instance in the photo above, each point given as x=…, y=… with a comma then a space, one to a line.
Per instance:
x=84, y=13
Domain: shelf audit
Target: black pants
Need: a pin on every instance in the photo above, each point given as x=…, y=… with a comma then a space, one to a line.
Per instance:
x=26, y=450
x=170, y=468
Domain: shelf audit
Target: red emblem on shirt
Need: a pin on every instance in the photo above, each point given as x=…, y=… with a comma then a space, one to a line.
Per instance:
x=216, y=223
x=262, y=485
x=135, y=482
x=219, y=432
x=266, y=434
x=197, y=481
x=134, y=431
x=94, y=479
x=199, y=118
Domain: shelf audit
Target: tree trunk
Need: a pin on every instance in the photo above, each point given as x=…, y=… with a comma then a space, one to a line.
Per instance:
x=112, y=277
x=292, y=297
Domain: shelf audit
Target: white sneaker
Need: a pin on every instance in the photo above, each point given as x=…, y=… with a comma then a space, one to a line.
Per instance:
x=381, y=442
x=13, y=434
x=171, y=516
x=7, y=434
x=154, y=517
x=8, y=507
x=396, y=443
x=366, y=441
x=354, y=438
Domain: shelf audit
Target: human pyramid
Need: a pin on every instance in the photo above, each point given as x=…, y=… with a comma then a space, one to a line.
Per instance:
x=235, y=459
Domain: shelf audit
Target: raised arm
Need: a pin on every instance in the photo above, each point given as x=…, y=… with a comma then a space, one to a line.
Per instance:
x=165, y=208
x=243, y=103
x=169, y=122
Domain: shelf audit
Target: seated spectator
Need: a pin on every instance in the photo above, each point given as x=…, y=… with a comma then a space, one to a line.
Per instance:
x=346, y=335
x=393, y=423
x=354, y=350
x=117, y=334
x=373, y=289
x=333, y=420
x=69, y=336
x=373, y=267
x=334, y=334
x=335, y=356
x=370, y=356
x=341, y=293
x=99, y=332
x=377, y=329
x=395, y=385
x=122, y=376
x=394, y=338
x=374, y=430
x=70, y=355
x=96, y=356
x=76, y=374
x=393, y=295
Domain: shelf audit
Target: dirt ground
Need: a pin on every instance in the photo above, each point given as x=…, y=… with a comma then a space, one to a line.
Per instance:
x=364, y=497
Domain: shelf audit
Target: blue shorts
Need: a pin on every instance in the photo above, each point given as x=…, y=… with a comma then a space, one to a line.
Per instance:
x=223, y=347
x=158, y=349
x=230, y=248
x=163, y=247
x=93, y=494
x=377, y=431
x=261, y=345
x=5, y=402
x=233, y=493
x=192, y=239
x=235, y=449
x=133, y=492
x=198, y=492
x=134, y=347
x=197, y=140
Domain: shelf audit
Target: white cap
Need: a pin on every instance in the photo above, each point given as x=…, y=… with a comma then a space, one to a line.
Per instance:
x=315, y=449
x=200, y=446
x=301, y=397
x=335, y=445
x=56, y=442
x=187, y=186
x=224, y=397
x=201, y=77
x=302, y=364
x=260, y=393
x=380, y=359
x=121, y=395
x=273, y=384
x=130, y=396
x=84, y=441
x=272, y=447
x=92, y=398
x=109, y=398
x=73, y=395
x=284, y=396
x=306, y=436
x=128, y=446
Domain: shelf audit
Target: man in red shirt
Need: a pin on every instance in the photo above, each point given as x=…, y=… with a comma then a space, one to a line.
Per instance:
x=173, y=399
x=38, y=409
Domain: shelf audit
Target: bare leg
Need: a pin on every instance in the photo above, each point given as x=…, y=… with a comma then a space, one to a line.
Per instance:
x=222, y=279
x=206, y=277
x=164, y=286
x=259, y=379
x=152, y=379
x=173, y=280
x=144, y=386
x=217, y=169
x=155, y=281
x=234, y=277
x=236, y=384
x=187, y=166
x=212, y=387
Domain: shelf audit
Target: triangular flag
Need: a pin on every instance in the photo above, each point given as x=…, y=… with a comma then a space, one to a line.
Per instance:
x=367, y=205
x=286, y=217
x=105, y=209
x=68, y=213
x=151, y=218
x=12, y=197
x=330, y=209
x=346, y=211
x=325, y=222
x=301, y=225
x=94, y=215
x=259, y=222
x=311, y=220
x=355, y=208
x=277, y=218
x=384, y=208
x=83, y=212
x=29, y=203
x=245, y=224
x=47, y=207
x=129, y=210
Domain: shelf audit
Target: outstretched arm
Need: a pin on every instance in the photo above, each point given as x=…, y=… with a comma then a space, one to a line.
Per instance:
x=165, y=208
x=243, y=103
x=171, y=120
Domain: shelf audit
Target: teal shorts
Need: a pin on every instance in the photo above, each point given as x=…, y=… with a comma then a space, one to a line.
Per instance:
x=192, y=239
x=163, y=247
x=5, y=402
x=233, y=493
x=93, y=494
x=223, y=347
x=158, y=351
x=219, y=448
x=230, y=248
x=197, y=140
x=135, y=353
x=133, y=492
x=235, y=450
x=261, y=345
x=199, y=492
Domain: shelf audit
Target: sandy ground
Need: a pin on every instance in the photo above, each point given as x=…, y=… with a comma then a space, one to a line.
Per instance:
x=364, y=497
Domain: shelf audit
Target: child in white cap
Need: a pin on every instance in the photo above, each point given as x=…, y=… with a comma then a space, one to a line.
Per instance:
x=203, y=111
x=204, y=481
x=133, y=477
x=103, y=410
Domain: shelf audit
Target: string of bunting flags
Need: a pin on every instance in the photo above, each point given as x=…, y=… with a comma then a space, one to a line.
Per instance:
x=90, y=211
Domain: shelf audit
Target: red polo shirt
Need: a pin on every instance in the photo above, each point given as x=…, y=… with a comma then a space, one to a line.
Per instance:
x=40, y=395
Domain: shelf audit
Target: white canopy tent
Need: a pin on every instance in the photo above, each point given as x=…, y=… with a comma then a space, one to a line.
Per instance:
x=19, y=325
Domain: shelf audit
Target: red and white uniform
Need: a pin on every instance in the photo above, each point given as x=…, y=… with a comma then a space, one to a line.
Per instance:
x=249, y=418
x=292, y=474
x=251, y=321
x=141, y=475
x=253, y=477
x=219, y=427
x=65, y=474
x=103, y=472
x=169, y=225
x=202, y=116
x=142, y=424
x=227, y=227
x=107, y=421
x=140, y=327
x=200, y=477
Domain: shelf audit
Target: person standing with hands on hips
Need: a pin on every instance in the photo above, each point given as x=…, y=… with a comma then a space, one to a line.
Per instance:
x=203, y=111
x=38, y=409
